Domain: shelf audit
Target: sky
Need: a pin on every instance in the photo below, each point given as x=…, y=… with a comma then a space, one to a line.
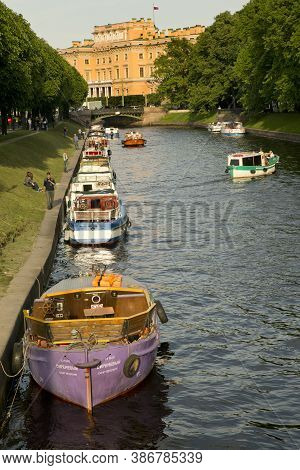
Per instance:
x=60, y=22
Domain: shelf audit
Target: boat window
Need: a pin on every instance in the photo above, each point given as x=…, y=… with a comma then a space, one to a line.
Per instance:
x=248, y=161
x=234, y=162
x=257, y=160
x=95, y=204
x=87, y=187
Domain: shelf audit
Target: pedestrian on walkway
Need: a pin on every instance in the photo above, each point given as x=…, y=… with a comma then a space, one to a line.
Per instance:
x=79, y=134
x=49, y=185
x=75, y=140
x=65, y=131
x=66, y=159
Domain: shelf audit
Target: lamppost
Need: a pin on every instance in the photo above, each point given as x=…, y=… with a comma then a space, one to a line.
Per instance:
x=219, y=110
x=123, y=100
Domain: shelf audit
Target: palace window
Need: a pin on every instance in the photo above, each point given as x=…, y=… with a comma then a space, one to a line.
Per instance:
x=109, y=74
x=117, y=58
x=86, y=61
x=109, y=60
x=75, y=62
x=117, y=74
x=117, y=92
x=150, y=55
x=87, y=75
x=98, y=76
x=103, y=60
x=126, y=72
x=142, y=72
x=104, y=75
x=98, y=61
x=125, y=56
x=151, y=71
x=141, y=55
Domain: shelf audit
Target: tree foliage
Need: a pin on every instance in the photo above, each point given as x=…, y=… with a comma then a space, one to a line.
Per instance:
x=250, y=58
x=172, y=70
x=212, y=78
x=268, y=64
x=33, y=75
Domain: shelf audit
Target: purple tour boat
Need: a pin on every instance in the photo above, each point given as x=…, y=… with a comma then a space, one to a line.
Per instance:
x=92, y=338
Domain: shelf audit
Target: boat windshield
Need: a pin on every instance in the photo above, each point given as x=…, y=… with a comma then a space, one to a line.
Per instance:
x=253, y=160
x=234, y=162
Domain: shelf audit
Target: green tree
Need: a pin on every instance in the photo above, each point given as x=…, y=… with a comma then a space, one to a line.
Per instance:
x=268, y=64
x=16, y=55
x=212, y=78
x=33, y=75
x=172, y=70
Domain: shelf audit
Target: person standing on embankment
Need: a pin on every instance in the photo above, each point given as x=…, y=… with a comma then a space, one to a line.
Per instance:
x=66, y=159
x=49, y=185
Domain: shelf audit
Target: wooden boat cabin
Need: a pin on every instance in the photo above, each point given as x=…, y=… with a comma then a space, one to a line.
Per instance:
x=104, y=309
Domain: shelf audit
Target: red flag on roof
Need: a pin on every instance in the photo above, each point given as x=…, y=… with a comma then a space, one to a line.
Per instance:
x=155, y=8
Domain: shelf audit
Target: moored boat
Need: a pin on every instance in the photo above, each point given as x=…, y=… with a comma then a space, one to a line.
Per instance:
x=134, y=139
x=215, y=127
x=96, y=218
x=251, y=164
x=112, y=132
x=233, y=129
x=92, y=338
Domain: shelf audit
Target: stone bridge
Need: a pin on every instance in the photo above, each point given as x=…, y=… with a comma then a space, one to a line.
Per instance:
x=118, y=117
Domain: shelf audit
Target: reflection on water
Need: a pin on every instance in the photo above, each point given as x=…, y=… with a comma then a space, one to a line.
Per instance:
x=223, y=257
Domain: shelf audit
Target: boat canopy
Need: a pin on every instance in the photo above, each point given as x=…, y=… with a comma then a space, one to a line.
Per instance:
x=245, y=159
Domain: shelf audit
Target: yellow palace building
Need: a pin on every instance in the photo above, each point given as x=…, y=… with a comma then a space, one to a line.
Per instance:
x=119, y=60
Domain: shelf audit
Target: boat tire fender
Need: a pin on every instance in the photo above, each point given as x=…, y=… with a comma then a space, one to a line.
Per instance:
x=17, y=357
x=131, y=365
x=161, y=312
x=253, y=172
x=265, y=170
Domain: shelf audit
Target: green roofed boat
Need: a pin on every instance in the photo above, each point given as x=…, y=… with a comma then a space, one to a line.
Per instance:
x=251, y=164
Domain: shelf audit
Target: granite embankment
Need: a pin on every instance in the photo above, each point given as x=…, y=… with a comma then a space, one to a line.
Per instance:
x=29, y=282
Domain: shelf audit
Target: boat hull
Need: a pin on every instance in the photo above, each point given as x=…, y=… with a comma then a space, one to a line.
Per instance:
x=234, y=133
x=56, y=371
x=251, y=172
x=134, y=143
x=96, y=233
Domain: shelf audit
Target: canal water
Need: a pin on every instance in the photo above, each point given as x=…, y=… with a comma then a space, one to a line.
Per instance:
x=222, y=256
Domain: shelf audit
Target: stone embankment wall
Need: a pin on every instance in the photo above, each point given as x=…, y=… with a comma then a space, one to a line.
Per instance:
x=151, y=116
x=30, y=281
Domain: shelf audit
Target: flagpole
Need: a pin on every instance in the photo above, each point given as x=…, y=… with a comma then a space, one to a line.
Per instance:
x=153, y=15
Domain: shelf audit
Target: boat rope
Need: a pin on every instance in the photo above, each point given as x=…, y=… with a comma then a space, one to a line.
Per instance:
x=39, y=284
x=12, y=376
x=8, y=414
